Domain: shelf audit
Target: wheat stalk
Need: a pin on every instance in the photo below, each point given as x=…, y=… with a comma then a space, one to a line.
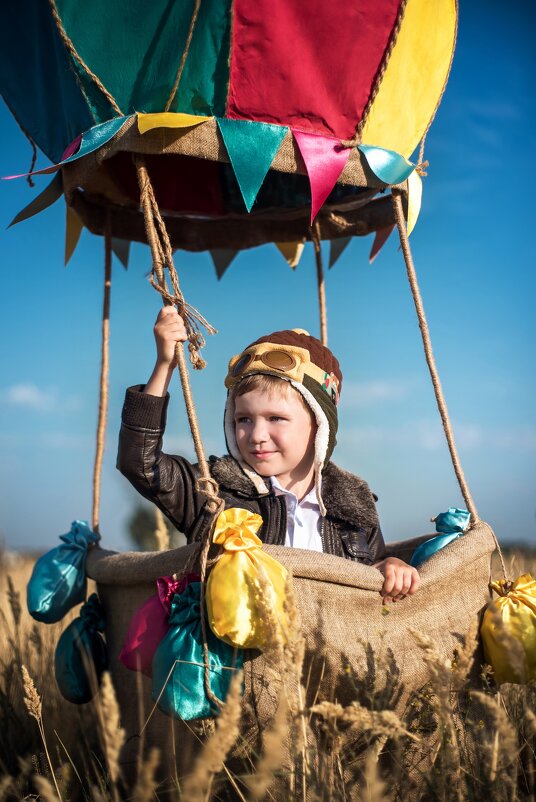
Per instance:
x=34, y=706
x=196, y=786
x=113, y=735
x=273, y=754
x=146, y=783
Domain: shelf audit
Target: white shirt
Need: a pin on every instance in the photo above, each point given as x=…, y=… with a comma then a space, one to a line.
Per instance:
x=303, y=518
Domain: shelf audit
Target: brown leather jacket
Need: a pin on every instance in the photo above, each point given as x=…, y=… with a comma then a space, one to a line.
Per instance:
x=350, y=529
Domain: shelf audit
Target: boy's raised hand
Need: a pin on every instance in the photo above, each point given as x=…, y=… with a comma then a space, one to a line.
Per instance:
x=400, y=579
x=169, y=330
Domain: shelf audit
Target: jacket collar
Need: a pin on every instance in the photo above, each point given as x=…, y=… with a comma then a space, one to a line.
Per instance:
x=346, y=496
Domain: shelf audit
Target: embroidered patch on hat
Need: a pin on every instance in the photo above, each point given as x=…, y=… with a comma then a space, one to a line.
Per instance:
x=330, y=385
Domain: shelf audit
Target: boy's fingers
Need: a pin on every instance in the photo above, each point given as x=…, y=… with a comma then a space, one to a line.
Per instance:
x=389, y=581
x=415, y=583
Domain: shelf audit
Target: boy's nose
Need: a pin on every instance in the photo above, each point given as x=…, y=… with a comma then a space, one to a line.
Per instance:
x=259, y=433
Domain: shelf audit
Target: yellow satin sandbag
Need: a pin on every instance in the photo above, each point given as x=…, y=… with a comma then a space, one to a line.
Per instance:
x=233, y=588
x=509, y=630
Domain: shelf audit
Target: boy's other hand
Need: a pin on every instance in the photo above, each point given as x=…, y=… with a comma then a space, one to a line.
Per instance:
x=401, y=579
x=169, y=330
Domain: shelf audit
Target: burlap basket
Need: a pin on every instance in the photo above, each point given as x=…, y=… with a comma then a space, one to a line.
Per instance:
x=345, y=627
x=102, y=186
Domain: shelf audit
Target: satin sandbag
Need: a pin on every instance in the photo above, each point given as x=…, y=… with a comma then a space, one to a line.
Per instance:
x=508, y=630
x=58, y=581
x=450, y=525
x=81, y=656
x=237, y=596
x=178, y=664
x=150, y=623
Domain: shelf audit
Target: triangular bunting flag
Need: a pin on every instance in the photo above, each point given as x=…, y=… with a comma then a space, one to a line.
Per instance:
x=414, y=200
x=73, y=229
x=389, y=166
x=222, y=258
x=251, y=147
x=337, y=247
x=292, y=251
x=379, y=241
x=46, y=198
x=325, y=159
x=121, y=248
x=168, y=119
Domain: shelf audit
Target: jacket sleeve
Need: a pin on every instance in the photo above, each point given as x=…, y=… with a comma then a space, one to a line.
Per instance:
x=376, y=544
x=168, y=481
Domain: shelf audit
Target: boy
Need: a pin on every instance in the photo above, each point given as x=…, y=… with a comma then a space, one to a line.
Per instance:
x=280, y=427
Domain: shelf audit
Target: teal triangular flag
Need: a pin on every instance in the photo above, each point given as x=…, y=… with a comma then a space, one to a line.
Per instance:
x=337, y=247
x=251, y=147
x=222, y=258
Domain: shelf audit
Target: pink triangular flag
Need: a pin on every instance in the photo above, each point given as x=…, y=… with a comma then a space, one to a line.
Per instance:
x=325, y=159
x=382, y=235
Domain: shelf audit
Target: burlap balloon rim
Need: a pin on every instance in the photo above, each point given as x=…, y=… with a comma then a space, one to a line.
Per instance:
x=130, y=568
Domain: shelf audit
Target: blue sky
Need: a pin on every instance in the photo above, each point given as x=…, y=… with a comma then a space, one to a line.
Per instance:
x=473, y=250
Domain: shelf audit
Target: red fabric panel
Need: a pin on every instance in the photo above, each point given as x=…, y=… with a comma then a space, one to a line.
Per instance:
x=309, y=64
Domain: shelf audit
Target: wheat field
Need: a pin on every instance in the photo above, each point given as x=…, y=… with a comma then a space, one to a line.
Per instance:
x=459, y=743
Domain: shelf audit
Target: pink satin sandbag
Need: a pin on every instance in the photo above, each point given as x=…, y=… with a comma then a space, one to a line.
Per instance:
x=149, y=624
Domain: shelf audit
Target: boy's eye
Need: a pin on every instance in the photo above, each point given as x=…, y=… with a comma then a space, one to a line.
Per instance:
x=242, y=419
x=276, y=417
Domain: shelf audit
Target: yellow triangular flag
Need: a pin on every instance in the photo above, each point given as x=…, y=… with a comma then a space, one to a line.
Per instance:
x=292, y=252
x=414, y=200
x=73, y=229
x=168, y=119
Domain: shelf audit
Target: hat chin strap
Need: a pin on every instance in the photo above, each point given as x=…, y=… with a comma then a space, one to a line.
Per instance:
x=321, y=443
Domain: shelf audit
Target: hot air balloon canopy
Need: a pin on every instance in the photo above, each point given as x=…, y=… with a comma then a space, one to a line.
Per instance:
x=254, y=117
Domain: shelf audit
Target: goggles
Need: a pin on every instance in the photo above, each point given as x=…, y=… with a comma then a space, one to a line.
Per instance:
x=290, y=362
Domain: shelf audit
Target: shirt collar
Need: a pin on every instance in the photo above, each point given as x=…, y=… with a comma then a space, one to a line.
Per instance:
x=310, y=498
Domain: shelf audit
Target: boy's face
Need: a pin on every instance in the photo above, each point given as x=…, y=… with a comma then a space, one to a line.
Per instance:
x=275, y=433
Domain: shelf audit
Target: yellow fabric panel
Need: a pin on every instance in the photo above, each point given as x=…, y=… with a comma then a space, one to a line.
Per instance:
x=414, y=77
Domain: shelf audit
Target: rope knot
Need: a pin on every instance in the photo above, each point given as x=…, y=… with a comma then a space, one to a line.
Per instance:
x=421, y=168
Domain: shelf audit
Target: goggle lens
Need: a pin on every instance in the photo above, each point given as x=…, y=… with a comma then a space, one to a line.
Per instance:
x=279, y=360
x=240, y=366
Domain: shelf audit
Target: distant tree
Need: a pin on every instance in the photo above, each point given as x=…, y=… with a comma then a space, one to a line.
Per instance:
x=142, y=529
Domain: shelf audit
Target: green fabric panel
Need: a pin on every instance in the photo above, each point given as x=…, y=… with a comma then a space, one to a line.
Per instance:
x=135, y=48
x=35, y=80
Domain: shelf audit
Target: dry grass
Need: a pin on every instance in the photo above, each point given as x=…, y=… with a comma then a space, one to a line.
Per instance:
x=454, y=745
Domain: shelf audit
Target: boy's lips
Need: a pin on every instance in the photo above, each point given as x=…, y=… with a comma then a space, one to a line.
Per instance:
x=262, y=454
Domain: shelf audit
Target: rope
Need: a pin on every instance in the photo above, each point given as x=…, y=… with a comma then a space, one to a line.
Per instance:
x=29, y=178
x=74, y=53
x=171, y=98
x=162, y=256
x=430, y=361
x=356, y=139
x=315, y=235
x=103, y=390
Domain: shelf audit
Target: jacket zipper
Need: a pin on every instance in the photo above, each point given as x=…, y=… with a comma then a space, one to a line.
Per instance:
x=322, y=533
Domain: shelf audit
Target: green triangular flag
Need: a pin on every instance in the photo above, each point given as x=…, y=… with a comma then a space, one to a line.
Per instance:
x=251, y=147
x=222, y=258
x=337, y=247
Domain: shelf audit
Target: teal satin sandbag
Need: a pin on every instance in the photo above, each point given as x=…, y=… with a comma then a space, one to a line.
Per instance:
x=451, y=525
x=58, y=581
x=178, y=663
x=81, y=656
